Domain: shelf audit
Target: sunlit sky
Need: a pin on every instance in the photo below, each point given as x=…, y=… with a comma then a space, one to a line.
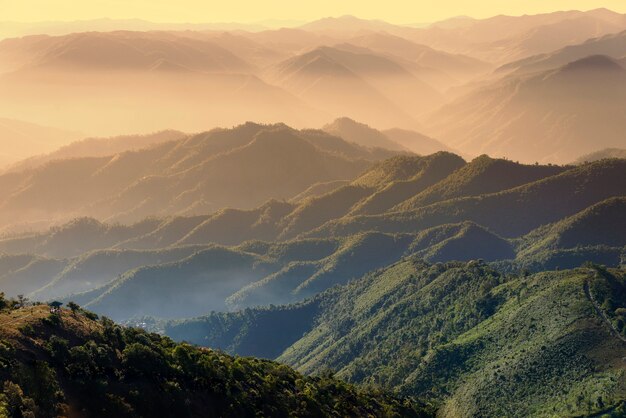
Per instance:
x=247, y=11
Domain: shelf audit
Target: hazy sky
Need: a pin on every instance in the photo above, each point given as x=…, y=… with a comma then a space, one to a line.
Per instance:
x=244, y=11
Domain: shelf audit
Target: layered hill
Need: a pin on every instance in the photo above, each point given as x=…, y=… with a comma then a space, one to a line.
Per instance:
x=501, y=39
x=437, y=207
x=241, y=167
x=358, y=83
x=393, y=139
x=611, y=45
x=99, y=147
x=58, y=363
x=555, y=115
x=58, y=75
x=464, y=336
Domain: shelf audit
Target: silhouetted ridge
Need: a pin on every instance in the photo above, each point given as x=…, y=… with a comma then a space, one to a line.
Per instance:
x=593, y=63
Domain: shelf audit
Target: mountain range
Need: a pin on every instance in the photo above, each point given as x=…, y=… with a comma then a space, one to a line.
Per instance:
x=469, y=84
x=438, y=207
x=422, y=220
x=193, y=175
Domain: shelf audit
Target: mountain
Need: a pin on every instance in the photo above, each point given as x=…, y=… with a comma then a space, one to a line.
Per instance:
x=501, y=39
x=611, y=45
x=361, y=134
x=241, y=167
x=458, y=67
x=600, y=155
x=121, y=51
x=415, y=141
x=99, y=147
x=19, y=140
x=436, y=207
x=555, y=115
x=57, y=363
x=483, y=175
x=355, y=82
x=600, y=224
x=346, y=23
x=535, y=204
x=58, y=75
x=458, y=334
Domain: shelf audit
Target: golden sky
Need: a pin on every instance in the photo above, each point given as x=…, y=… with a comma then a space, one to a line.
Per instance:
x=244, y=11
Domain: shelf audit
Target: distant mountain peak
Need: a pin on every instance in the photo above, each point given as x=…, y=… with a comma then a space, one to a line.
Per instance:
x=593, y=63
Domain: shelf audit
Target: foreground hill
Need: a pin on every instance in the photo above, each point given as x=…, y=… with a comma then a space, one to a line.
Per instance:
x=71, y=363
x=466, y=337
x=554, y=115
x=241, y=167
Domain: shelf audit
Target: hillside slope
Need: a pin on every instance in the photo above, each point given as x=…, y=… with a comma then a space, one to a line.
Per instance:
x=71, y=363
x=470, y=339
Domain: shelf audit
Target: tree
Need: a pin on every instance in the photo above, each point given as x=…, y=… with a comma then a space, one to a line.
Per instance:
x=74, y=307
x=22, y=301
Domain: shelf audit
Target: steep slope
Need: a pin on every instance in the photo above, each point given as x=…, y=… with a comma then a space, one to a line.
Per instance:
x=58, y=363
x=468, y=338
x=552, y=116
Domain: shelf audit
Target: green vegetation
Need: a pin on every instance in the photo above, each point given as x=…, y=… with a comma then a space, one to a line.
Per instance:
x=70, y=364
x=466, y=337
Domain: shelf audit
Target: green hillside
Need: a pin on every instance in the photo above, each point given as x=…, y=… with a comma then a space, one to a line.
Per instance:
x=472, y=340
x=510, y=213
x=483, y=175
x=74, y=364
